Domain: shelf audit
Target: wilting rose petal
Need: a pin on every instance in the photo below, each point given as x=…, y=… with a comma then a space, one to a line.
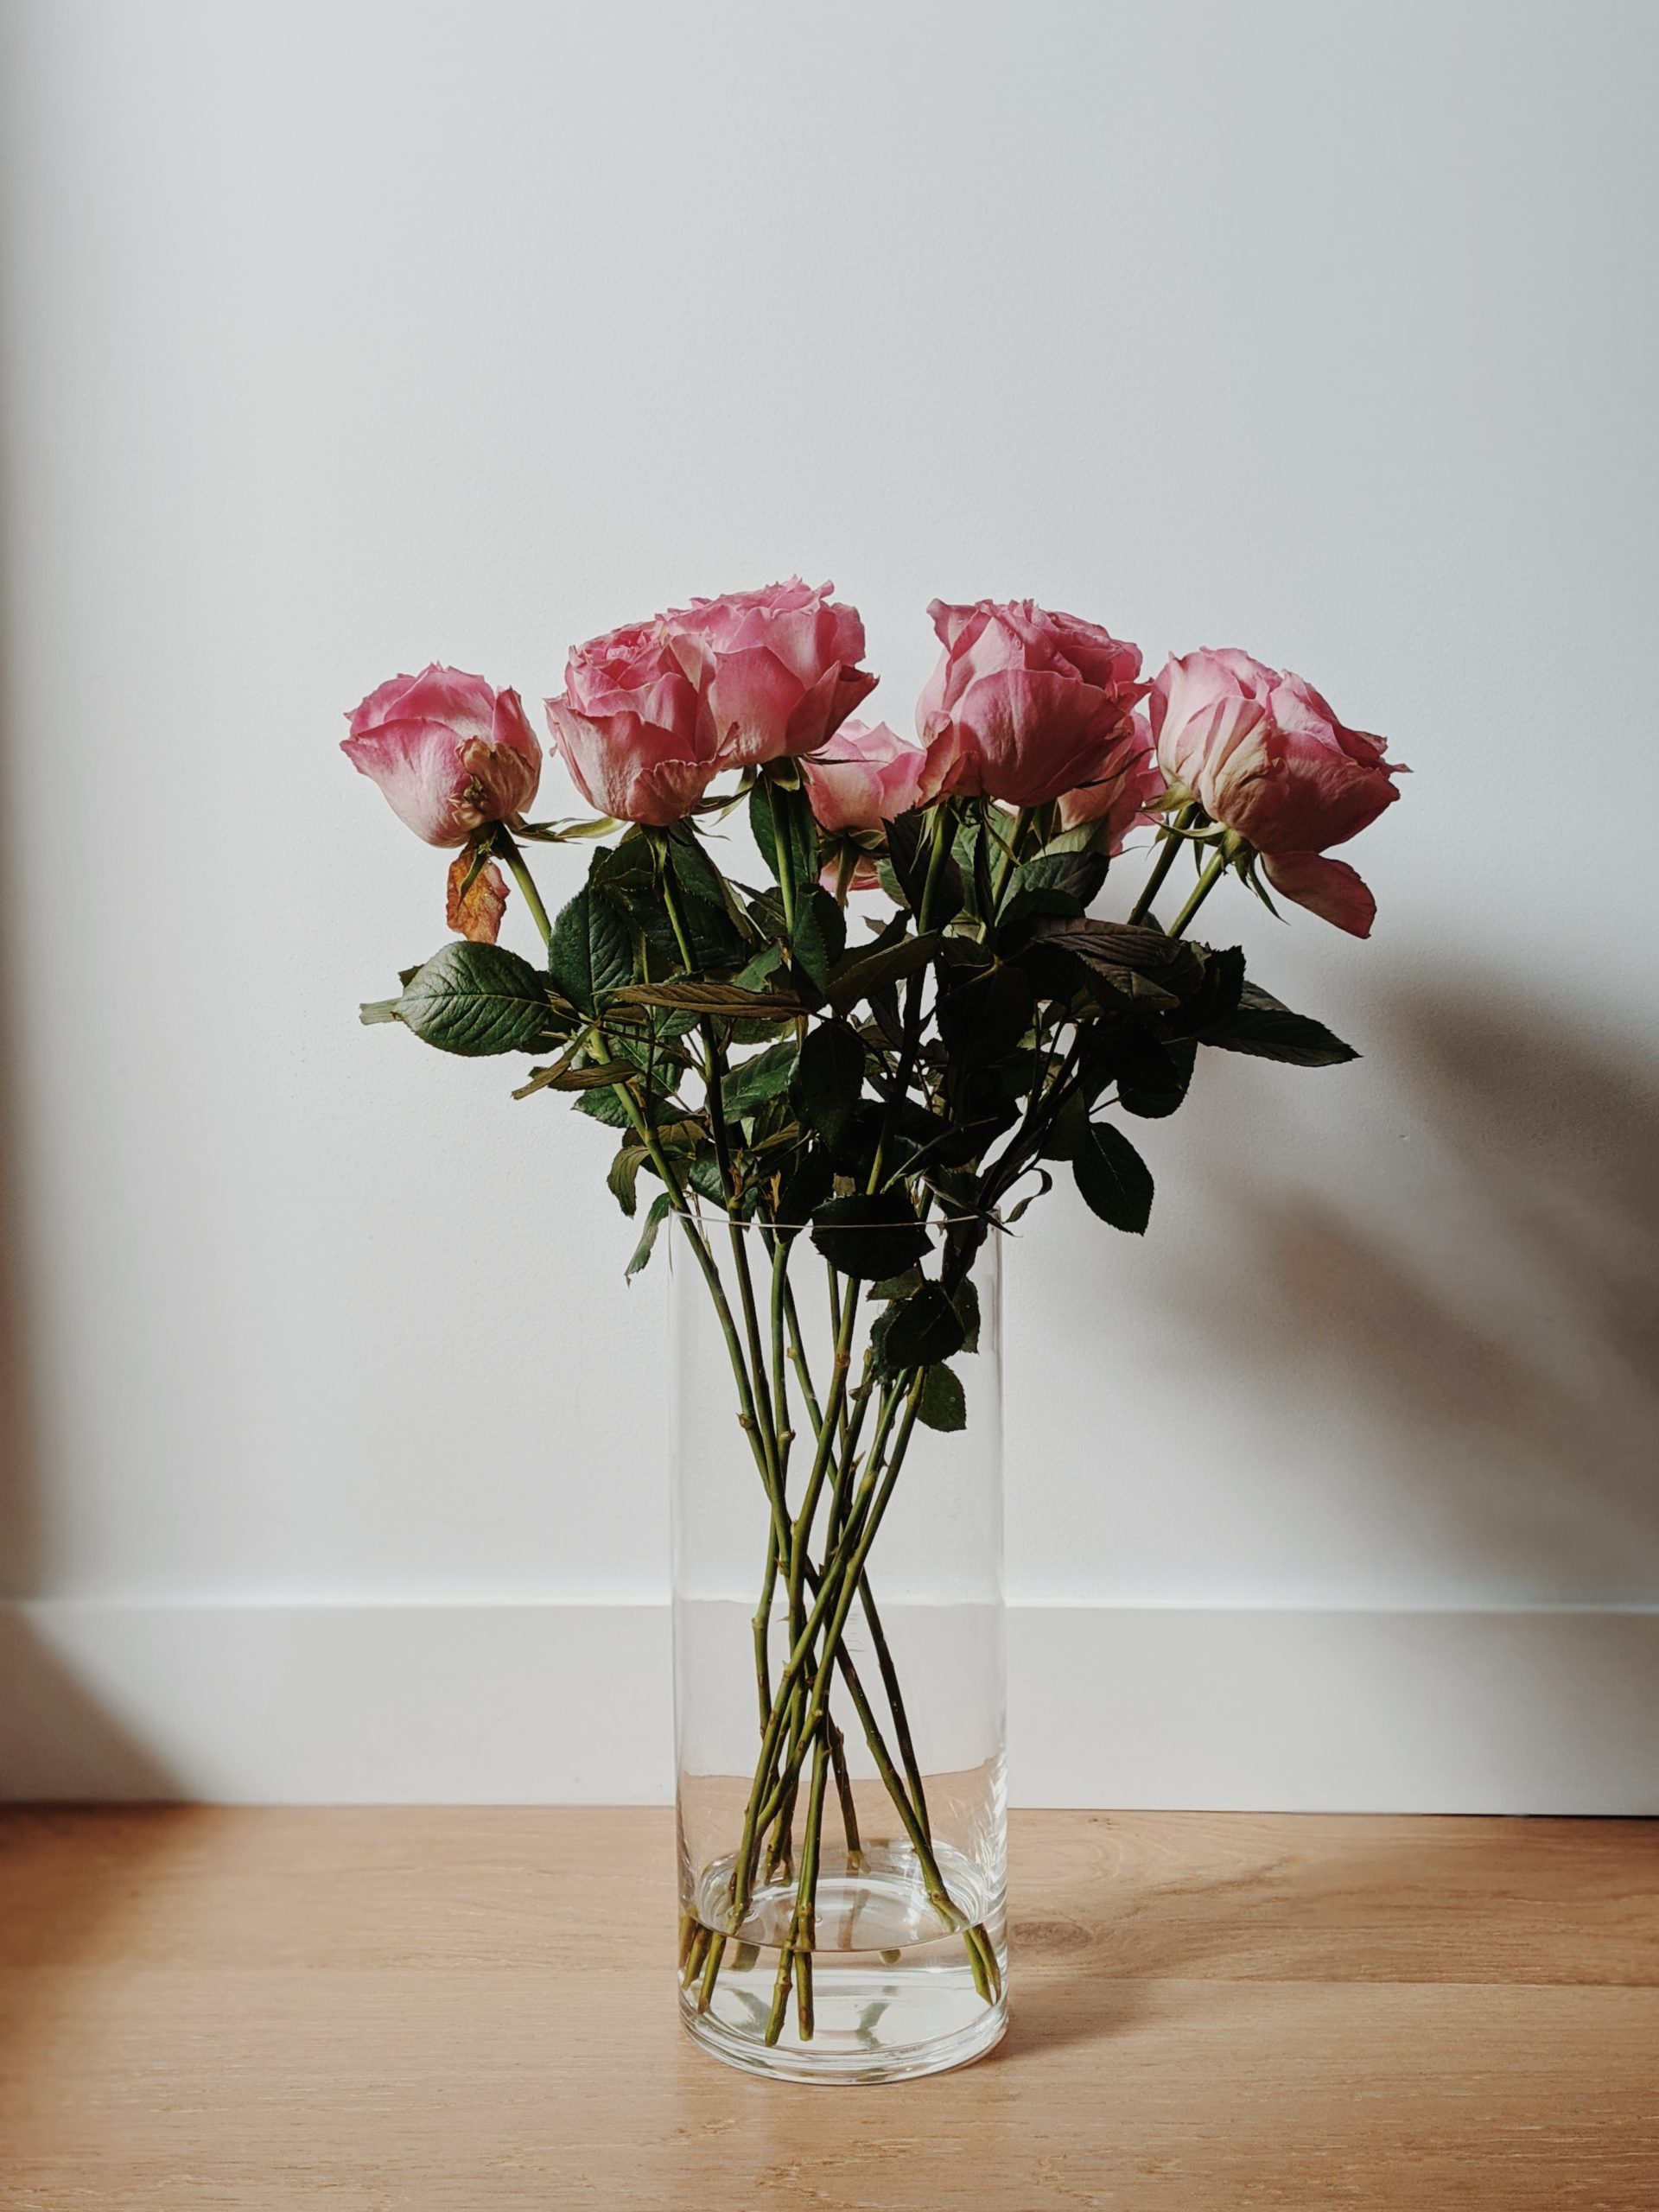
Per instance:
x=474, y=911
x=1328, y=888
x=449, y=753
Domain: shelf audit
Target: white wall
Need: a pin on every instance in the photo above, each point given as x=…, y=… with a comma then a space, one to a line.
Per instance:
x=342, y=336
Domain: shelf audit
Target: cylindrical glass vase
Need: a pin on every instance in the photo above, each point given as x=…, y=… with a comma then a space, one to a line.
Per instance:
x=838, y=1650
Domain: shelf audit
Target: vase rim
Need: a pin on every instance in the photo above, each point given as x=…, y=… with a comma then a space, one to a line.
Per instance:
x=715, y=1217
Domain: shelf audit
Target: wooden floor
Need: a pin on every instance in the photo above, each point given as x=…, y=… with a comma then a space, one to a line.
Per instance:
x=374, y=2010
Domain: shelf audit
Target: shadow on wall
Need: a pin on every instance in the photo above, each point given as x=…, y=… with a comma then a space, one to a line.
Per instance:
x=1502, y=1352
x=55, y=1740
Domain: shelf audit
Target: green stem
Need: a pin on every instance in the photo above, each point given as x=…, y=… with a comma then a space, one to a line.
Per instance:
x=799, y=1534
x=785, y=859
x=912, y=1811
x=1172, y=842
x=1010, y=856
x=762, y=1807
x=507, y=848
x=802, y=1930
x=849, y=1828
x=884, y=1658
x=834, y=1601
x=944, y=822
x=1215, y=869
x=714, y=1075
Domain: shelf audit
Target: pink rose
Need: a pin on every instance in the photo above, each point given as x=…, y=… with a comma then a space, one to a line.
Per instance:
x=449, y=753
x=775, y=670
x=868, y=773
x=1035, y=700
x=1265, y=755
x=629, y=727
x=1121, y=793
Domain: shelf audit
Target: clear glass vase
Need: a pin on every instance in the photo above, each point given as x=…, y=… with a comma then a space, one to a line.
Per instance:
x=838, y=1654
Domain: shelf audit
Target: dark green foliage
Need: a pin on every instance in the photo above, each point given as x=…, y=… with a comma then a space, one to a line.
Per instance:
x=1152, y=1074
x=592, y=951
x=660, y=1208
x=781, y=821
x=752, y=1082
x=1260, y=1026
x=476, y=1000
x=870, y=1238
x=818, y=939
x=868, y=1089
x=943, y=1402
x=917, y=1330
x=828, y=1079
x=1115, y=1182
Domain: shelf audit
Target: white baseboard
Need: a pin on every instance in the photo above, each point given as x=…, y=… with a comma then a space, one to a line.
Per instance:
x=1518, y=1712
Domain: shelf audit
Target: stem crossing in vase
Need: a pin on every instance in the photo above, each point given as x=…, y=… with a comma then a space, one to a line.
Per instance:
x=841, y=1824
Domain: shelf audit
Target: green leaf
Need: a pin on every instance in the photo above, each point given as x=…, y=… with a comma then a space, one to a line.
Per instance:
x=829, y=1079
x=661, y=1206
x=1053, y=884
x=752, y=1082
x=966, y=1302
x=765, y=963
x=604, y=1106
x=1068, y=1132
x=860, y=973
x=1138, y=963
x=624, y=1175
x=1044, y=1185
x=985, y=1017
x=1268, y=1031
x=919, y=1330
x=781, y=822
x=478, y=1000
x=592, y=950
x=1152, y=1076
x=908, y=843
x=910, y=859
x=869, y=1237
x=820, y=935
x=694, y=871
x=1220, y=991
x=1083, y=839
x=1115, y=1182
x=944, y=1402
x=804, y=1184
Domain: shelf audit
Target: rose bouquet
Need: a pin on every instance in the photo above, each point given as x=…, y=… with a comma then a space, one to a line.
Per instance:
x=858, y=1057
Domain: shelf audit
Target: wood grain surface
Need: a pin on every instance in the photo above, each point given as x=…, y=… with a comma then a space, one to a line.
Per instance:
x=459, y=2009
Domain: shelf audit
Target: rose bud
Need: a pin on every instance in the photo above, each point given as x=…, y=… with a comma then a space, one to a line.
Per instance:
x=1123, y=794
x=775, y=670
x=1035, y=700
x=867, y=774
x=449, y=753
x=629, y=727
x=1264, y=755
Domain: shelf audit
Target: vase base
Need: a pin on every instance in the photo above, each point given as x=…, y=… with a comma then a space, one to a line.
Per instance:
x=842, y=2059
x=894, y=1987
